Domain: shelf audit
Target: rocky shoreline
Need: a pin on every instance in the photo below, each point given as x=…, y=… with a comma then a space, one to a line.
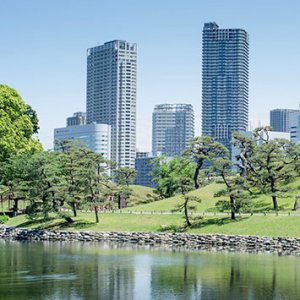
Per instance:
x=217, y=242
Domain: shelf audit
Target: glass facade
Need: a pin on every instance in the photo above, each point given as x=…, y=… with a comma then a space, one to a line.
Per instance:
x=280, y=119
x=172, y=128
x=111, y=95
x=225, y=60
x=95, y=137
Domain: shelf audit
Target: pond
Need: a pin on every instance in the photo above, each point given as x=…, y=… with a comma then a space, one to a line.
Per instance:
x=74, y=270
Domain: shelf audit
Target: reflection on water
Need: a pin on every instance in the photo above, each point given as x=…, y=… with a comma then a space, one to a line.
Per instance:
x=108, y=271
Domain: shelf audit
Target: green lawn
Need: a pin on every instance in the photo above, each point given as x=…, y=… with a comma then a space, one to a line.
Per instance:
x=254, y=225
x=270, y=225
x=140, y=195
x=208, y=201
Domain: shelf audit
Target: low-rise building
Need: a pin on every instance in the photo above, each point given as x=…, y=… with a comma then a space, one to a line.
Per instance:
x=95, y=137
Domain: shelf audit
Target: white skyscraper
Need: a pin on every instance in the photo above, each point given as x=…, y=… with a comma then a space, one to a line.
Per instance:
x=111, y=95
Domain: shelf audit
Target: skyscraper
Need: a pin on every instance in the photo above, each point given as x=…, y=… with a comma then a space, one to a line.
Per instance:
x=280, y=119
x=111, y=95
x=225, y=59
x=172, y=128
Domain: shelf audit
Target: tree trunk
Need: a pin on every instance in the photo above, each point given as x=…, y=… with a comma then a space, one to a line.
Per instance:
x=45, y=208
x=74, y=209
x=96, y=214
x=119, y=201
x=232, y=207
x=15, y=207
x=186, y=215
x=274, y=198
x=196, y=175
x=275, y=204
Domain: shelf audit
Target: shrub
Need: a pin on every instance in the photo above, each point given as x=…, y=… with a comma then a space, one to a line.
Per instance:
x=3, y=219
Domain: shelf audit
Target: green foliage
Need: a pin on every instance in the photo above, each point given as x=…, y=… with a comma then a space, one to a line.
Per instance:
x=45, y=182
x=273, y=165
x=125, y=176
x=246, y=147
x=15, y=178
x=31, y=113
x=178, y=178
x=202, y=150
x=165, y=175
x=17, y=125
x=223, y=205
x=220, y=193
x=235, y=185
x=3, y=219
x=94, y=179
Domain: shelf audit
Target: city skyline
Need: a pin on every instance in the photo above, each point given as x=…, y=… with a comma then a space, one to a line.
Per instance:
x=50, y=70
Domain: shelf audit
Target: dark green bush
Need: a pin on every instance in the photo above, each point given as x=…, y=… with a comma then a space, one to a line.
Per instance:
x=3, y=219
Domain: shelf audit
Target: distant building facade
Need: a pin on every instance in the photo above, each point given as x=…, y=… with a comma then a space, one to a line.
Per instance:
x=111, y=95
x=172, y=128
x=225, y=64
x=143, y=167
x=78, y=118
x=280, y=119
x=95, y=137
x=294, y=126
x=142, y=154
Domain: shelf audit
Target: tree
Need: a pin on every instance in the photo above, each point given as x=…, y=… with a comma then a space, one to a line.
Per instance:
x=124, y=176
x=16, y=125
x=222, y=166
x=31, y=113
x=246, y=147
x=177, y=177
x=15, y=177
x=202, y=149
x=162, y=175
x=45, y=186
x=182, y=174
x=70, y=162
x=94, y=178
x=274, y=164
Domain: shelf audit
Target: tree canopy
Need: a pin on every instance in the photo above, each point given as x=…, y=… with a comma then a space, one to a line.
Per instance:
x=18, y=122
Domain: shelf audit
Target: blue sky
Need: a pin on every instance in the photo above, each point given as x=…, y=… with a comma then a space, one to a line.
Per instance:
x=43, y=53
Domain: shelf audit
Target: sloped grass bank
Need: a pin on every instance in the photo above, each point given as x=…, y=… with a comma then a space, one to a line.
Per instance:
x=246, y=225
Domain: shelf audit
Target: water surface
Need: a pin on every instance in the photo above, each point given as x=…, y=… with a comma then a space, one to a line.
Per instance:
x=56, y=270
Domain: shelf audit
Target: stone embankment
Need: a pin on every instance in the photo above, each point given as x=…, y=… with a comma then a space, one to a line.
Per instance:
x=280, y=245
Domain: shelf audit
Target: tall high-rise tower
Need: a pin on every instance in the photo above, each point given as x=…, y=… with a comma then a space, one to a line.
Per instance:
x=111, y=95
x=172, y=128
x=225, y=60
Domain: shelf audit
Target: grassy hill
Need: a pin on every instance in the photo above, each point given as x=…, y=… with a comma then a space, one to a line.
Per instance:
x=140, y=195
x=260, y=204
